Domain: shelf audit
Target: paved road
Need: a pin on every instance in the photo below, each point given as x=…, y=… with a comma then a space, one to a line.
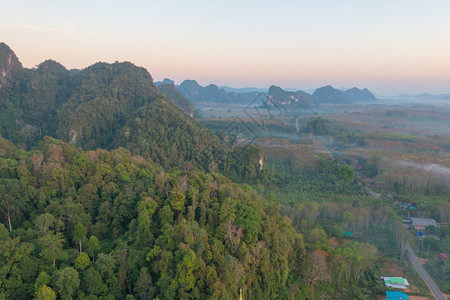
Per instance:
x=372, y=193
x=426, y=278
x=418, y=266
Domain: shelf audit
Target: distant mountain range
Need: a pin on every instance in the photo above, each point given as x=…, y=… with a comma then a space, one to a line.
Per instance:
x=425, y=96
x=327, y=94
x=275, y=95
x=210, y=93
x=243, y=90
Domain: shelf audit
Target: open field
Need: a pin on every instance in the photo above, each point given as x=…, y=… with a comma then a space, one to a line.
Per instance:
x=401, y=151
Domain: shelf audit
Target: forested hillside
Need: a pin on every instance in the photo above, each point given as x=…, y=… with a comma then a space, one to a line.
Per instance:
x=107, y=106
x=107, y=224
x=177, y=98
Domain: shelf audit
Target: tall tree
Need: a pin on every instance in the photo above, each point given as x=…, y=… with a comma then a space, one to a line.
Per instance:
x=45, y=293
x=52, y=247
x=146, y=209
x=67, y=282
x=92, y=282
x=143, y=284
x=79, y=234
x=13, y=198
x=43, y=223
x=93, y=246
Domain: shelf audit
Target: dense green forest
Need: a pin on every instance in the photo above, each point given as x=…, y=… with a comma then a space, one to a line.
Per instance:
x=177, y=98
x=107, y=224
x=124, y=223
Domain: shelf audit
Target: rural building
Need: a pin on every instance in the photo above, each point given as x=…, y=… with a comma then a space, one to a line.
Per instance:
x=396, y=296
x=422, y=223
x=396, y=282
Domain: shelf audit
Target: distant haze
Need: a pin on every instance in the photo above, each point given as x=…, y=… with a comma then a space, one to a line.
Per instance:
x=390, y=47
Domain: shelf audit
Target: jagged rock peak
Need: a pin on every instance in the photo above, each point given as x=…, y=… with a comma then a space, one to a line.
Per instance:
x=9, y=63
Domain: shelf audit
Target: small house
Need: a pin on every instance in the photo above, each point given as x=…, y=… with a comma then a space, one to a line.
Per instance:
x=396, y=282
x=422, y=223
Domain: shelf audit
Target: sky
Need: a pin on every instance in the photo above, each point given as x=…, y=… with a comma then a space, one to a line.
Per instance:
x=390, y=47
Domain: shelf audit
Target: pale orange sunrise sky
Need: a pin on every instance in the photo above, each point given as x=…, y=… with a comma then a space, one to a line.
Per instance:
x=389, y=47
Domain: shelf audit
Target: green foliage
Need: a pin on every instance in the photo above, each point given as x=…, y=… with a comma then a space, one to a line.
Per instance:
x=82, y=261
x=317, y=126
x=44, y=223
x=249, y=220
x=52, y=247
x=67, y=282
x=432, y=244
x=93, y=246
x=42, y=279
x=143, y=284
x=45, y=293
x=367, y=169
x=177, y=200
x=79, y=234
x=151, y=233
x=432, y=230
x=92, y=282
x=4, y=233
x=346, y=173
x=14, y=197
x=245, y=164
x=165, y=215
x=439, y=269
x=12, y=252
x=177, y=98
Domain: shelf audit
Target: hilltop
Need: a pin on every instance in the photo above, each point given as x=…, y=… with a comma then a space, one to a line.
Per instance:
x=105, y=106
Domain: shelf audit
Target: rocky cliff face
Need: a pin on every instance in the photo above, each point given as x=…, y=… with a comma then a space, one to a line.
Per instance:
x=298, y=99
x=9, y=64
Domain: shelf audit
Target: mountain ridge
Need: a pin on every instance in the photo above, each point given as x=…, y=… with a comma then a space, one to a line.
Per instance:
x=196, y=93
x=110, y=106
x=298, y=99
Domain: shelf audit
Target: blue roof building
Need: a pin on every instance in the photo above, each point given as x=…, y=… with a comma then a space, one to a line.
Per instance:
x=396, y=296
